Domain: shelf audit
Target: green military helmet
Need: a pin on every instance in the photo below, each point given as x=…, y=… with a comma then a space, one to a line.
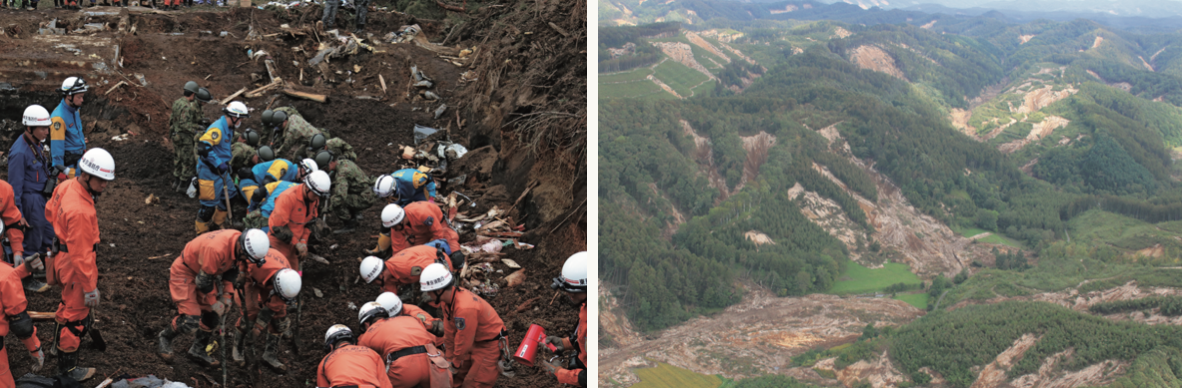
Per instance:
x=323, y=158
x=191, y=87
x=252, y=137
x=267, y=116
x=266, y=154
x=317, y=143
x=278, y=118
x=203, y=95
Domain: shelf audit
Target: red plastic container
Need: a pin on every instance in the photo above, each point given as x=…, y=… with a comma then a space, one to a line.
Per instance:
x=529, y=345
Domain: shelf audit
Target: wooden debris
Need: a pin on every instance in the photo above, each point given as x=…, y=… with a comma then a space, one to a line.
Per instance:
x=121, y=83
x=306, y=96
x=272, y=70
x=383, y=80
x=160, y=257
x=42, y=316
x=151, y=198
x=559, y=29
x=515, y=279
x=527, y=304
x=232, y=96
x=318, y=258
x=278, y=83
x=449, y=7
x=512, y=264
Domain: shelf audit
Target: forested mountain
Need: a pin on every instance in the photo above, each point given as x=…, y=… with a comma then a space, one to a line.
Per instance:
x=993, y=160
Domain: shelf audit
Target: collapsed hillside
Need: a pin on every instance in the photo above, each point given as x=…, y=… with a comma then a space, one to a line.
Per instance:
x=514, y=82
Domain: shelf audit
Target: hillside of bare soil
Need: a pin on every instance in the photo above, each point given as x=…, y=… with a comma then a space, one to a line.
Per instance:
x=514, y=82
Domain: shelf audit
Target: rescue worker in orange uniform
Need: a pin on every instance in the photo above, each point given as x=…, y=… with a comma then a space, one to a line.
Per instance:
x=394, y=307
x=75, y=225
x=211, y=262
x=474, y=335
x=416, y=224
x=14, y=225
x=573, y=282
x=348, y=364
x=295, y=210
x=403, y=269
x=17, y=320
x=273, y=284
x=403, y=343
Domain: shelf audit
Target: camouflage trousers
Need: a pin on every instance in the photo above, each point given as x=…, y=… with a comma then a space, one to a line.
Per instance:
x=184, y=162
x=347, y=208
x=255, y=220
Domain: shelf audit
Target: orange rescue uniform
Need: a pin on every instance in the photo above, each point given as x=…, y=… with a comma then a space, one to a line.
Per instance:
x=404, y=267
x=390, y=335
x=211, y=253
x=258, y=290
x=71, y=211
x=571, y=376
x=12, y=302
x=426, y=319
x=291, y=212
x=352, y=365
x=424, y=222
x=471, y=333
x=11, y=216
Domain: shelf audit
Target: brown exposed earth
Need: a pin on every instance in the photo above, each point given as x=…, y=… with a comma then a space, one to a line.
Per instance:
x=521, y=110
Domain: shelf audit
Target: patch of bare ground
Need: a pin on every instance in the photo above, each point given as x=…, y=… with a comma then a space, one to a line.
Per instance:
x=1040, y=131
x=876, y=59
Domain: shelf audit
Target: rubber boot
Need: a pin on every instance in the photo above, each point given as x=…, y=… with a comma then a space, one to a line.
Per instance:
x=202, y=227
x=236, y=338
x=197, y=351
x=68, y=365
x=34, y=285
x=219, y=218
x=165, y=338
x=270, y=352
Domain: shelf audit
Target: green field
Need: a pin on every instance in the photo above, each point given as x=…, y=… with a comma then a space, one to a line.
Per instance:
x=679, y=77
x=636, y=74
x=967, y=232
x=859, y=279
x=919, y=300
x=669, y=376
x=642, y=89
x=993, y=238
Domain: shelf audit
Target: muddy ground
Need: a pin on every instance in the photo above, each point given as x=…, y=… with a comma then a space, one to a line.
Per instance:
x=523, y=118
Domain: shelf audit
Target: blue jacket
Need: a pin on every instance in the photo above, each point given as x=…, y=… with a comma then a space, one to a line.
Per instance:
x=404, y=185
x=279, y=189
x=275, y=170
x=218, y=138
x=65, y=134
x=28, y=168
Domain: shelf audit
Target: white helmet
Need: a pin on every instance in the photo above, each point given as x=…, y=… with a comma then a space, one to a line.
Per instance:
x=73, y=85
x=287, y=283
x=337, y=333
x=308, y=166
x=392, y=215
x=236, y=109
x=370, y=310
x=98, y=163
x=319, y=183
x=256, y=245
x=371, y=267
x=434, y=277
x=391, y=302
x=574, y=274
x=384, y=186
x=36, y=116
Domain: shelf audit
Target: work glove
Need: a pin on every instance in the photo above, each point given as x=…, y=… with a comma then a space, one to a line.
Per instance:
x=38, y=356
x=91, y=298
x=303, y=249
x=222, y=305
x=437, y=328
x=222, y=168
x=556, y=340
x=17, y=259
x=550, y=367
x=34, y=262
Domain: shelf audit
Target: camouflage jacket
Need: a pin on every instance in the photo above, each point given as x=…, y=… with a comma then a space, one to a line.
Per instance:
x=349, y=180
x=341, y=149
x=186, y=118
x=297, y=135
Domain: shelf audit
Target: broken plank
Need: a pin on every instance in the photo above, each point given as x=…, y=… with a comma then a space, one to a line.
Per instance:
x=121, y=83
x=232, y=96
x=259, y=92
x=307, y=96
x=41, y=316
x=559, y=29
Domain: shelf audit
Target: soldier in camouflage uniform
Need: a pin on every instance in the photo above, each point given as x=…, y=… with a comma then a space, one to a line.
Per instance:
x=351, y=189
x=291, y=133
x=185, y=125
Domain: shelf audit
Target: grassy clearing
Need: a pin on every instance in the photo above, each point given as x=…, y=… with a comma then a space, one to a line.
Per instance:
x=1122, y=232
x=645, y=89
x=967, y=232
x=669, y=376
x=919, y=300
x=859, y=279
x=637, y=74
x=1001, y=240
x=679, y=77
